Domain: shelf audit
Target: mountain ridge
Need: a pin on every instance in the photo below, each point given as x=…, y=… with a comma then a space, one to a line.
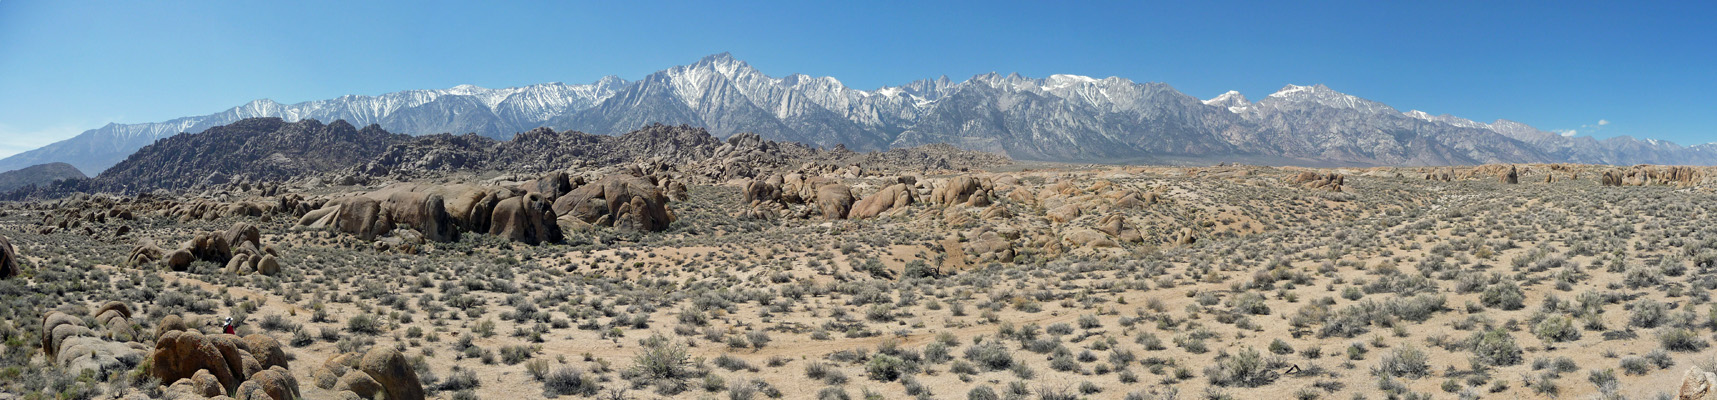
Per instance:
x=1057, y=118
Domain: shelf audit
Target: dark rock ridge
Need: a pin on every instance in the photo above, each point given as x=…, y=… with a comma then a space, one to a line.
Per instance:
x=1058, y=118
x=265, y=152
x=258, y=149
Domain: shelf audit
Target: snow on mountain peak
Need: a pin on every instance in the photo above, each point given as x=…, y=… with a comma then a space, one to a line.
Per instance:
x=1233, y=100
x=1227, y=97
x=1061, y=81
x=1327, y=97
x=1293, y=90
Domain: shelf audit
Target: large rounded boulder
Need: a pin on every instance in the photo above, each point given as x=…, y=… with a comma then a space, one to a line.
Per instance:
x=529, y=219
x=395, y=374
x=180, y=354
x=834, y=200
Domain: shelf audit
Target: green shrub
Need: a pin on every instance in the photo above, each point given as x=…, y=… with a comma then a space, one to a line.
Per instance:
x=992, y=355
x=885, y=367
x=1557, y=328
x=1495, y=347
x=566, y=381
x=1504, y=295
x=1681, y=339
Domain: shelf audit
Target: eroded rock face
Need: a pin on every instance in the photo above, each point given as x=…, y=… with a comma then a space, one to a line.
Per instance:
x=266, y=350
x=180, y=354
x=8, y=259
x=424, y=211
x=1065, y=213
x=1697, y=384
x=470, y=206
x=990, y=246
x=275, y=383
x=115, y=319
x=357, y=215
x=145, y=253
x=961, y=190
x=762, y=191
x=620, y=201
x=834, y=200
x=529, y=219
x=894, y=197
x=109, y=346
x=551, y=186
x=393, y=372
x=1312, y=180
x=200, y=384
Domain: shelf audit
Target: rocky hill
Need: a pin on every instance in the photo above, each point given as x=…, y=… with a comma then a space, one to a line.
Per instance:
x=261, y=150
x=37, y=175
x=256, y=149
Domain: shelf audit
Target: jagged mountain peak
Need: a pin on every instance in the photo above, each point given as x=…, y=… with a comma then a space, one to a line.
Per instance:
x=1232, y=100
x=1058, y=117
x=1323, y=95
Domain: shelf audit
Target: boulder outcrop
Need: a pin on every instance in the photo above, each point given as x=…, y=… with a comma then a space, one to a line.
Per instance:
x=621, y=201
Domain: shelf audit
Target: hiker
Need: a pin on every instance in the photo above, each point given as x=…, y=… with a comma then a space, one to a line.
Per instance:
x=230, y=328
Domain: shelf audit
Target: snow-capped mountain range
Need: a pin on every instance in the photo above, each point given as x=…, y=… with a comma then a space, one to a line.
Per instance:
x=1060, y=118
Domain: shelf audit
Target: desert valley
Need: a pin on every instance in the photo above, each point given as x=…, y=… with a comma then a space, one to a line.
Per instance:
x=668, y=263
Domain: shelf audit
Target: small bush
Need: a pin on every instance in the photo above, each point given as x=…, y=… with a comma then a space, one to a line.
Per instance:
x=565, y=381
x=1405, y=362
x=1557, y=328
x=1245, y=369
x=1681, y=339
x=885, y=367
x=991, y=355
x=364, y=324
x=1504, y=295
x=1495, y=347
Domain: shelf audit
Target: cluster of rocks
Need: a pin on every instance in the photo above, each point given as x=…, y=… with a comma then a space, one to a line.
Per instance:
x=203, y=209
x=770, y=197
x=110, y=345
x=533, y=212
x=239, y=249
x=381, y=372
x=213, y=365
x=1312, y=180
x=1441, y=175
x=1642, y=175
x=84, y=213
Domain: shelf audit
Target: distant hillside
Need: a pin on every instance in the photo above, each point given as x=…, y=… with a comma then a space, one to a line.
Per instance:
x=257, y=149
x=37, y=175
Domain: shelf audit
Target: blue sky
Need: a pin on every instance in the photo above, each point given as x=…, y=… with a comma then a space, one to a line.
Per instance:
x=1646, y=70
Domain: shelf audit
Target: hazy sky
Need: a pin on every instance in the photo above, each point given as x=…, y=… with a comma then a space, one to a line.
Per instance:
x=1642, y=69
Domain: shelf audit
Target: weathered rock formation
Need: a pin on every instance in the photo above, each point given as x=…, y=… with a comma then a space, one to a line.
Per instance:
x=621, y=201
x=894, y=197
